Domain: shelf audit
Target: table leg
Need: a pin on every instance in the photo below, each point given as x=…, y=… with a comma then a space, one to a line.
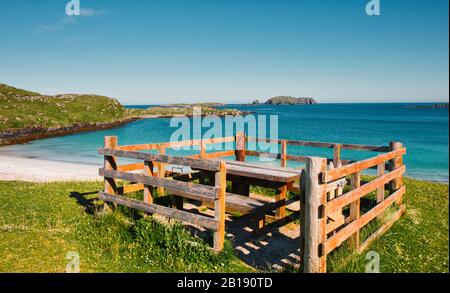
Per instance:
x=280, y=199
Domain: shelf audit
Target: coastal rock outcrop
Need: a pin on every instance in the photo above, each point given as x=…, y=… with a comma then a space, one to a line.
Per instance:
x=288, y=100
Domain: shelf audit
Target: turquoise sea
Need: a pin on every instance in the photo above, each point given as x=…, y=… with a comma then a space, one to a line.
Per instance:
x=423, y=131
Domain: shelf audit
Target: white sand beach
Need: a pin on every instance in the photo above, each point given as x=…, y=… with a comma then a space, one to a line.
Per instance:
x=40, y=170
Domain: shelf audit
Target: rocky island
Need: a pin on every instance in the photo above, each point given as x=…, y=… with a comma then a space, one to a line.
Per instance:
x=287, y=100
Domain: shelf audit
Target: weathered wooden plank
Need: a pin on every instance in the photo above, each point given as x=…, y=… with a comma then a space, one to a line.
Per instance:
x=359, y=166
x=355, y=209
x=264, y=174
x=280, y=198
x=130, y=188
x=261, y=139
x=191, y=218
x=131, y=167
x=266, y=167
x=296, y=158
x=202, y=149
x=161, y=171
x=324, y=144
x=312, y=218
x=255, y=181
x=262, y=154
x=310, y=143
x=394, y=164
x=283, y=154
x=139, y=147
x=380, y=231
x=110, y=163
x=148, y=189
x=355, y=194
x=335, y=221
x=194, y=163
x=354, y=226
x=219, y=207
x=219, y=154
x=336, y=154
x=359, y=147
x=380, y=190
x=189, y=143
x=175, y=144
x=174, y=186
x=237, y=186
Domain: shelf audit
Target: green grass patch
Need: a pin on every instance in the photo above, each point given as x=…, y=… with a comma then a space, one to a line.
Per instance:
x=41, y=223
x=20, y=108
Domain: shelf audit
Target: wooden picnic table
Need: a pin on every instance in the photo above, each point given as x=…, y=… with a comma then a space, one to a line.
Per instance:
x=243, y=174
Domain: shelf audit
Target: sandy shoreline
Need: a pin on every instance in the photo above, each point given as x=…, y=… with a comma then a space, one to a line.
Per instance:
x=41, y=170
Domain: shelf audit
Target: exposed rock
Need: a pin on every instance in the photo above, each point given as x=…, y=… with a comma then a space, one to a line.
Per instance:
x=256, y=102
x=287, y=100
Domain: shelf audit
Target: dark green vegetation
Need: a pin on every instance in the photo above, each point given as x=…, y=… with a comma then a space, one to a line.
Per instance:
x=180, y=111
x=20, y=108
x=286, y=100
x=40, y=223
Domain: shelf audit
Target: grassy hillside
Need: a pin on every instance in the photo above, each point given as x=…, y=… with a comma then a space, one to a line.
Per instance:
x=180, y=110
x=40, y=223
x=20, y=108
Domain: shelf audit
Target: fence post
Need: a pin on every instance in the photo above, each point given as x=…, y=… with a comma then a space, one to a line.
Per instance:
x=148, y=190
x=110, y=163
x=280, y=196
x=380, y=191
x=283, y=154
x=355, y=209
x=394, y=164
x=161, y=170
x=336, y=154
x=237, y=187
x=219, y=207
x=240, y=146
x=314, y=225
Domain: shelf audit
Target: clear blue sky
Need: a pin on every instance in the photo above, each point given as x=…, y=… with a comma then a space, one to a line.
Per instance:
x=164, y=51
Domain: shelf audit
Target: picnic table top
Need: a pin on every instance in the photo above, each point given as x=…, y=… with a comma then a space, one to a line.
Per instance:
x=264, y=172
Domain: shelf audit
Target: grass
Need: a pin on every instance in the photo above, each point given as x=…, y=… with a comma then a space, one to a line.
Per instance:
x=20, y=108
x=40, y=223
x=418, y=242
x=181, y=110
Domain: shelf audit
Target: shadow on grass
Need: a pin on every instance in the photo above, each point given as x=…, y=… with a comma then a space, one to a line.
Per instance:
x=88, y=203
x=271, y=250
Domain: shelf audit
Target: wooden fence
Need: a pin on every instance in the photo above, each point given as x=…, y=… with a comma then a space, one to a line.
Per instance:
x=146, y=181
x=330, y=189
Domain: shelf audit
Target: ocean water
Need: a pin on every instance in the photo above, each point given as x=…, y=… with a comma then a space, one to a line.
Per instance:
x=423, y=131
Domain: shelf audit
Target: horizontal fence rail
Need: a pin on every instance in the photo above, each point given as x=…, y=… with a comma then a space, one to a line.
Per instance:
x=208, y=223
x=322, y=144
x=183, y=161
